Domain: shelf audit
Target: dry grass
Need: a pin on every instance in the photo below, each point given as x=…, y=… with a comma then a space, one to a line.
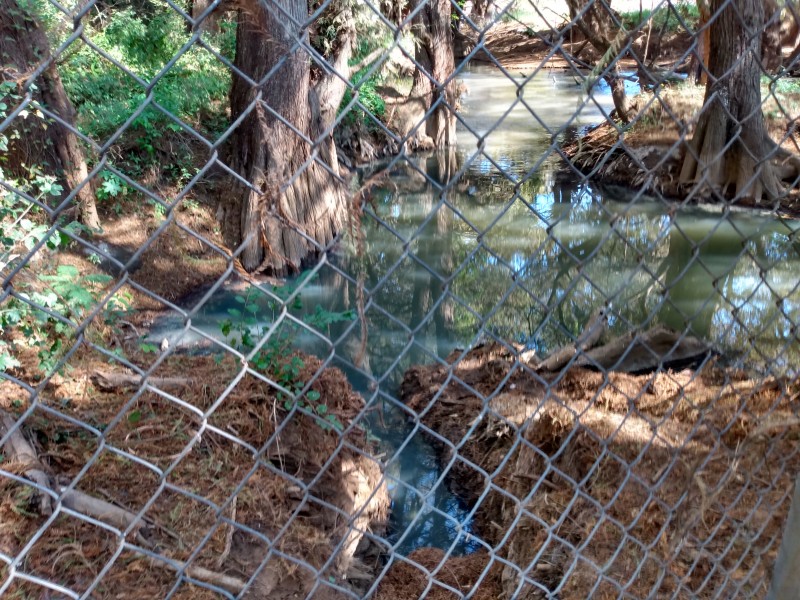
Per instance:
x=183, y=463
x=474, y=574
x=660, y=484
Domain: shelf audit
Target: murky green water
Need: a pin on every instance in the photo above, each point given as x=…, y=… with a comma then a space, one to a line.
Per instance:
x=487, y=241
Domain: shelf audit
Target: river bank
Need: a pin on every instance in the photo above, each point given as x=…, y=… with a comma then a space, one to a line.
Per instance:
x=646, y=155
x=586, y=478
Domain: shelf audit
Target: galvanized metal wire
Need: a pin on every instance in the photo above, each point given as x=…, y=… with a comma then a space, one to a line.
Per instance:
x=562, y=534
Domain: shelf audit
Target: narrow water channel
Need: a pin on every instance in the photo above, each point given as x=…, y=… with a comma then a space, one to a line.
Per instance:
x=488, y=240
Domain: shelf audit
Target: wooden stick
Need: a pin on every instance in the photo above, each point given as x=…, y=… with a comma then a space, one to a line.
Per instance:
x=367, y=60
x=98, y=509
x=19, y=450
x=112, y=381
x=591, y=333
x=226, y=582
x=230, y=529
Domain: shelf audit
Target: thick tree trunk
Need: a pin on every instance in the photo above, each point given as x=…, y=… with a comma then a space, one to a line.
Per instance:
x=433, y=92
x=294, y=203
x=24, y=46
x=771, y=43
x=730, y=150
x=594, y=19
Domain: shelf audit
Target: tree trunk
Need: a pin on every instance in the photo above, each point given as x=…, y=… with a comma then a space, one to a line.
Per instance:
x=210, y=22
x=597, y=25
x=698, y=67
x=294, y=203
x=771, y=44
x=480, y=8
x=433, y=93
x=730, y=147
x=24, y=45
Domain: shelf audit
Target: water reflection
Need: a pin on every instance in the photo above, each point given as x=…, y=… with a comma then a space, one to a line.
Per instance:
x=533, y=268
x=491, y=241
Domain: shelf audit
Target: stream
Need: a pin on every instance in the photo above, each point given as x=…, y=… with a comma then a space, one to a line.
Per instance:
x=487, y=241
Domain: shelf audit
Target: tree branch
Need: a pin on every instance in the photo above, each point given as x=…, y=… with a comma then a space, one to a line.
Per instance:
x=366, y=61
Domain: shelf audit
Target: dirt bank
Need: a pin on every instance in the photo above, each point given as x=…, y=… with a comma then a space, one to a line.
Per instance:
x=229, y=477
x=513, y=44
x=599, y=480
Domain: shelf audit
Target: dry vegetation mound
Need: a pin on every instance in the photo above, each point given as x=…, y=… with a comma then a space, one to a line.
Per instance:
x=456, y=577
x=227, y=475
x=668, y=483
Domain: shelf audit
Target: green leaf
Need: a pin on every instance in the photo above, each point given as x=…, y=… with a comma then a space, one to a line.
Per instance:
x=226, y=327
x=322, y=409
x=68, y=271
x=8, y=362
x=313, y=395
x=111, y=186
x=11, y=317
x=135, y=417
x=48, y=299
x=80, y=297
x=99, y=278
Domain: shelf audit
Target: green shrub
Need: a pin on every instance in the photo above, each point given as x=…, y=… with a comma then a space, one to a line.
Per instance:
x=688, y=13
x=105, y=96
x=277, y=359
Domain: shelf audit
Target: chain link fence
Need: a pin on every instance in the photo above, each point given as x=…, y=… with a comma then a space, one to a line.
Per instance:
x=399, y=300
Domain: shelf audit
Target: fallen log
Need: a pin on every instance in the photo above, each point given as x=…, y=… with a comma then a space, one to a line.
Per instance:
x=587, y=339
x=637, y=352
x=633, y=352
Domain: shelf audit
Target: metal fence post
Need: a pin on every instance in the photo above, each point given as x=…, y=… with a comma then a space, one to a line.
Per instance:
x=786, y=576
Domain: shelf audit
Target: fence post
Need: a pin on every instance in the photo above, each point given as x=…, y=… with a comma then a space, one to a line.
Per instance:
x=786, y=576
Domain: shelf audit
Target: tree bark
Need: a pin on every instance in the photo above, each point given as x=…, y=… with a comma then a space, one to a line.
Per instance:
x=433, y=92
x=480, y=9
x=730, y=150
x=24, y=46
x=596, y=23
x=771, y=43
x=294, y=203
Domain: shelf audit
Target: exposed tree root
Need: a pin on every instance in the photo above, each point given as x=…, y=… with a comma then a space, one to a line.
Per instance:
x=754, y=169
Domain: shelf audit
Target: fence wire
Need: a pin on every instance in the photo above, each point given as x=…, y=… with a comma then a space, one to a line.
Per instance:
x=399, y=300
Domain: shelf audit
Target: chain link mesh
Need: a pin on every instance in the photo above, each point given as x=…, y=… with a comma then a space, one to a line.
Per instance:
x=439, y=299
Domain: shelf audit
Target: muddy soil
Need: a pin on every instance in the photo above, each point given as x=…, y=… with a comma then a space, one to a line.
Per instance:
x=673, y=483
x=227, y=475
